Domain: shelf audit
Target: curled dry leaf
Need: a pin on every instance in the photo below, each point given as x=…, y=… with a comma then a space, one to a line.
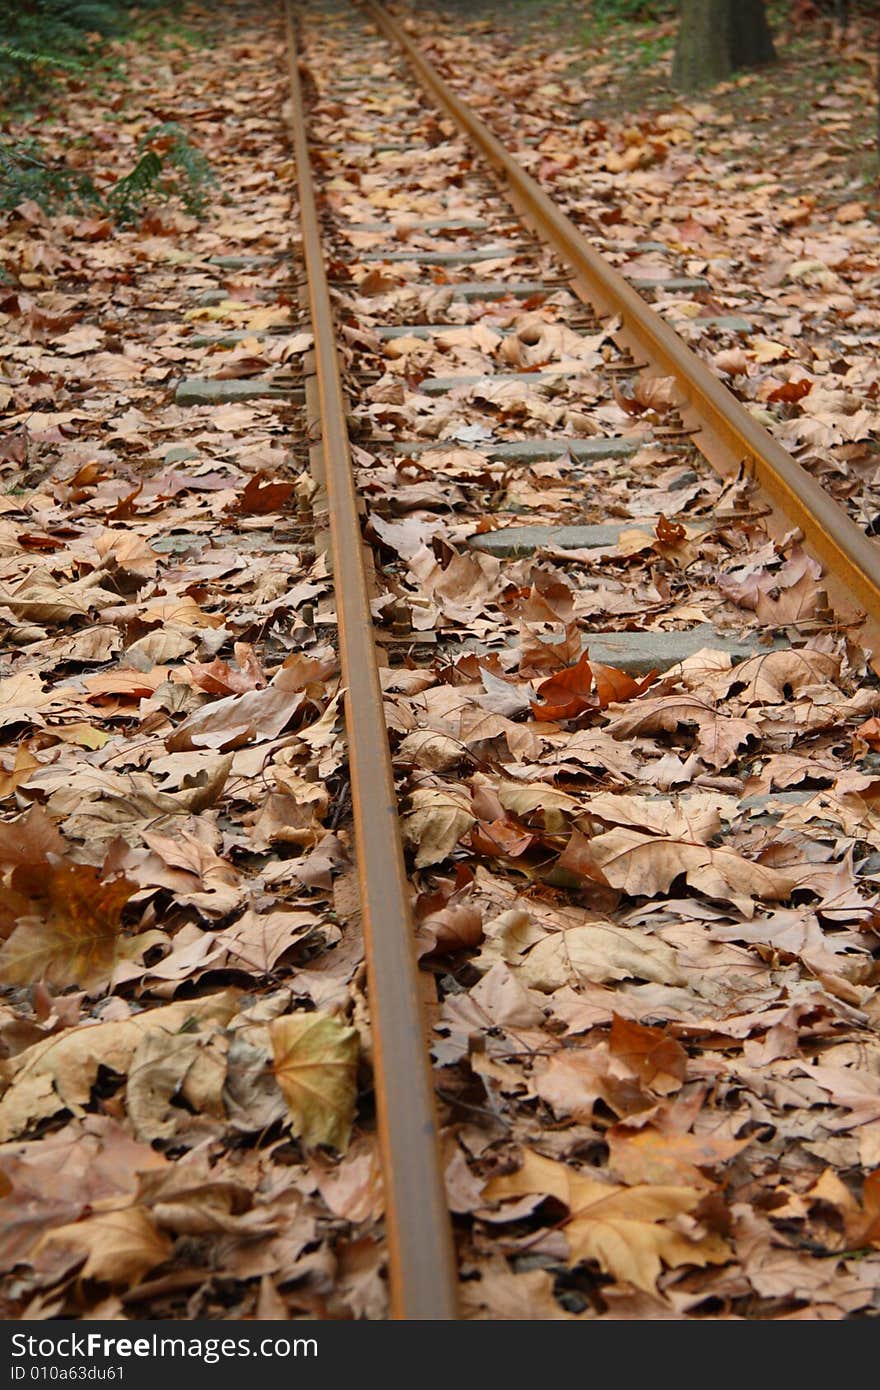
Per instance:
x=453, y=927
x=586, y=685
x=315, y=1065
x=646, y=865
x=252, y=716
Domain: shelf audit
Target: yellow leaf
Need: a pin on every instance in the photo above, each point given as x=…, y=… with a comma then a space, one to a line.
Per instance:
x=84, y=735
x=16, y=776
x=622, y=1228
x=315, y=1063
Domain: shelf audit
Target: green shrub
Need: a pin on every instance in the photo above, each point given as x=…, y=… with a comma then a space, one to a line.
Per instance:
x=38, y=35
x=28, y=174
x=168, y=166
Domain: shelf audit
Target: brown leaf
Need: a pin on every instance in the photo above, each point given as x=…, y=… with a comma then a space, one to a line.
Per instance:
x=251, y=717
x=353, y=1187
x=27, y=842
x=446, y=920
x=219, y=678
x=58, y=1073
x=17, y=776
x=566, y=694
x=119, y=1247
x=584, y=686
x=646, y=865
x=670, y=532
x=651, y=1054
x=868, y=733
x=653, y=1156
x=262, y=496
x=791, y=391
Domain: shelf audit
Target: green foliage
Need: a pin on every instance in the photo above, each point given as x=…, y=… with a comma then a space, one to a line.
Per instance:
x=168, y=166
x=27, y=174
x=128, y=195
x=37, y=36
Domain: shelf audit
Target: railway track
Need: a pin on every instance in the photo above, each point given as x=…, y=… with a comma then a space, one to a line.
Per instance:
x=368, y=110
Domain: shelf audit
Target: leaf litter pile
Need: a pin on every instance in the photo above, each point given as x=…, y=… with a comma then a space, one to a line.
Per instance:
x=645, y=889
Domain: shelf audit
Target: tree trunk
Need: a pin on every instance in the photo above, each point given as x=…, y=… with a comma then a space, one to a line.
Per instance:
x=717, y=36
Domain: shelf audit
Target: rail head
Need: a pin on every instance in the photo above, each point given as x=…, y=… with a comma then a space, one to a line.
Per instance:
x=422, y=1270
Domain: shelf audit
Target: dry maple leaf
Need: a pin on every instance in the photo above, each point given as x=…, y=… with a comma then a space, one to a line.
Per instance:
x=597, y=952
x=718, y=737
x=316, y=1059
x=28, y=841
x=78, y=941
x=646, y=865
x=119, y=1247
x=777, y=676
x=652, y=1055
x=653, y=1156
x=438, y=818
x=262, y=496
x=622, y=1228
x=584, y=686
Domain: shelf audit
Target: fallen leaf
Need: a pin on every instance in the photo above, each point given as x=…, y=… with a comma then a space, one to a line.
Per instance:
x=262, y=496
x=315, y=1064
x=119, y=1247
x=622, y=1228
x=658, y=1060
x=76, y=939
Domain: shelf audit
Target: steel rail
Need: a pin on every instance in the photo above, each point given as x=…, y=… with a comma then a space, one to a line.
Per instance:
x=725, y=433
x=421, y=1261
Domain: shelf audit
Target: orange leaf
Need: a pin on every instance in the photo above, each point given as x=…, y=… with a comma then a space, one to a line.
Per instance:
x=791, y=391
x=262, y=496
x=869, y=733
x=614, y=685
x=566, y=694
x=655, y=1058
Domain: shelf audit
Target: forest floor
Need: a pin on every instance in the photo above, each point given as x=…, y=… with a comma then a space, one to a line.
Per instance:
x=767, y=185
x=819, y=86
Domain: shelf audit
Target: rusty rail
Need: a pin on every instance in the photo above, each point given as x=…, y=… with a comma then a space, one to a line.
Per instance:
x=421, y=1262
x=725, y=433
